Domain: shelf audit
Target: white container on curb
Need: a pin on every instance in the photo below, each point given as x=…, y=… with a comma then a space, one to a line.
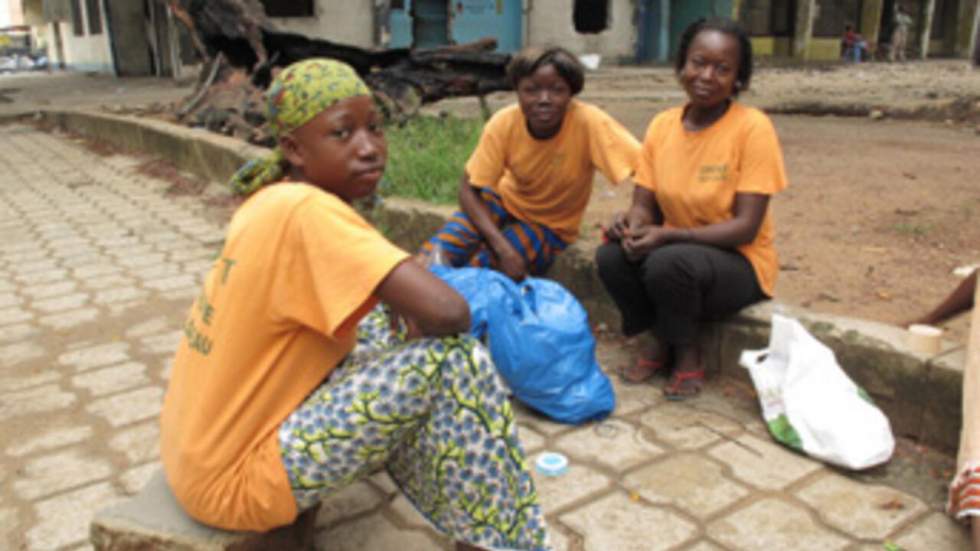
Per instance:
x=925, y=339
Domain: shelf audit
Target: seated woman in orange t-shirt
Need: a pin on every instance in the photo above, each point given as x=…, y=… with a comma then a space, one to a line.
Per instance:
x=697, y=242
x=289, y=383
x=529, y=180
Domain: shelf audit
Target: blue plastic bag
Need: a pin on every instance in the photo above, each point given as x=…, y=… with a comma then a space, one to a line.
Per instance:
x=539, y=338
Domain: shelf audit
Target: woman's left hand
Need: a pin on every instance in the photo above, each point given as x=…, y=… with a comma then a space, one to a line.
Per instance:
x=644, y=240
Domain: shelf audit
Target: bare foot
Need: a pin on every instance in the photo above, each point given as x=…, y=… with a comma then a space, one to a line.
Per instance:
x=652, y=360
x=460, y=546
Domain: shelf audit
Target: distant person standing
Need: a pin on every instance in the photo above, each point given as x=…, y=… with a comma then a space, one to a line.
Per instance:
x=900, y=34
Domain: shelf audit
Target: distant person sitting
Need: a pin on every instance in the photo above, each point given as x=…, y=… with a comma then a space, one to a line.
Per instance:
x=854, y=45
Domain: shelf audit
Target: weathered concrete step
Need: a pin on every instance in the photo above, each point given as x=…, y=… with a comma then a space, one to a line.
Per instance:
x=153, y=521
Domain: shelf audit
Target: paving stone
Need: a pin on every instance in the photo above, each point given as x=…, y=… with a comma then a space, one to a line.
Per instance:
x=47, y=276
x=6, y=285
x=14, y=315
x=864, y=511
x=112, y=379
x=39, y=399
x=9, y=299
x=937, y=531
x=143, y=259
x=199, y=268
x=187, y=294
x=9, y=527
x=28, y=268
x=83, y=259
x=613, y=443
x=375, y=532
x=557, y=492
x=559, y=541
x=406, y=514
x=156, y=271
x=148, y=328
x=383, y=482
x=18, y=353
x=20, y=382
x=122, y=409
x=110, y=281
x=64, y=520
x=194, y=253
x=688, y=481
x=57, y=472
x=685, y=427
x=530, y=439
x=118, y=295
x=134, y=479
x=763, y=464
x=704, y=546
x=139, y=443
x=538, y=422
x=171, y=283
x=62, y=303
x=95, y=356
x=95, y=271
x=772, y=523
x=50, y=289
x=50, y=439
x=621, y=524
x=71, y=318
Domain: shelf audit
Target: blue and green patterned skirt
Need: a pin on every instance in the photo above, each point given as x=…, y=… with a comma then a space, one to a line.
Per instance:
x=435, y=413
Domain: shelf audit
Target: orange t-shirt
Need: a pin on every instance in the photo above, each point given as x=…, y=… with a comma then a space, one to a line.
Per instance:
x=695, y=175
x=549, y=181
x=278, y=312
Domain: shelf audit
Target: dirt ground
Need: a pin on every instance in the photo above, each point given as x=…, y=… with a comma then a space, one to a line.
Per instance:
x=879, y=212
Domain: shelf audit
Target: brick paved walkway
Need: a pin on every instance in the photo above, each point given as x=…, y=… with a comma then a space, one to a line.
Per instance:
x=97, y=268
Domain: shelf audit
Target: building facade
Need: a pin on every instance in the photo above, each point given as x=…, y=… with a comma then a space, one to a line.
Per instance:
x=140, y=37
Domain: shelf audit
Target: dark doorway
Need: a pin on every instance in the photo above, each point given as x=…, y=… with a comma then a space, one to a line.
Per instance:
x=591, y=16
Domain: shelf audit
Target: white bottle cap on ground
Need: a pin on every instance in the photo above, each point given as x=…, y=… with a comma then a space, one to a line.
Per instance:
x=552, y=464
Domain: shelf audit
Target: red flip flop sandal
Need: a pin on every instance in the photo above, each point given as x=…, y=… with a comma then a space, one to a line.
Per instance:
x=684, y=384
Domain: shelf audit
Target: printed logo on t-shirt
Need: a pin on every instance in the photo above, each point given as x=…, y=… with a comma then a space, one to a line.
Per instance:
x=713, y=173
x=197, y=336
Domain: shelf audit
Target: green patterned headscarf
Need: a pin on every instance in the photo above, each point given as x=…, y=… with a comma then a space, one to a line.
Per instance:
x=297, y=95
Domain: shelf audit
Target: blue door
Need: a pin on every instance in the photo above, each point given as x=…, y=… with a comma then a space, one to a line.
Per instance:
x=430, y=23
x=400, y=24
x=653, y=17
x=500, y=19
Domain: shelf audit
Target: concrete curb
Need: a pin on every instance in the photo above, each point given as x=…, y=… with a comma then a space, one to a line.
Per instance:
x=920, y=394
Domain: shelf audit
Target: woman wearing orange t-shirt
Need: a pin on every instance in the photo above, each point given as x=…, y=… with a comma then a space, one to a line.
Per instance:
x=696, y=243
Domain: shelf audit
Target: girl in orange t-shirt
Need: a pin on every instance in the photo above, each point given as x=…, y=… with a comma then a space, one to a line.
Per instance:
x=290, y=384
x=527, y=183
x=697, y=241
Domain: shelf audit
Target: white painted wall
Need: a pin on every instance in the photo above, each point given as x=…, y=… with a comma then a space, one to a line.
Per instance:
x=87, y=52
x=550, y=23
x=349, y=22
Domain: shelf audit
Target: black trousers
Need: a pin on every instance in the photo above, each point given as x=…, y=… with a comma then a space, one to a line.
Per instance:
x=677, y=286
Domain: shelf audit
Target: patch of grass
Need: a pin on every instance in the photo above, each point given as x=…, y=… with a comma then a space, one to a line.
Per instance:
x=426, y=156
x=912, y=229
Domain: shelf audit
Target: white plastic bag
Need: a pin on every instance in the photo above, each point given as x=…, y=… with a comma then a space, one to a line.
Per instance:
x=811, y=405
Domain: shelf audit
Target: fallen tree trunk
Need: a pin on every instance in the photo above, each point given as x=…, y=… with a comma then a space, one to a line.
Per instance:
x=244, y=50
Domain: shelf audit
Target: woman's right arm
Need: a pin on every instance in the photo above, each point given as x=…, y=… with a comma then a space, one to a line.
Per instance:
x=511, y=262
x=424, y=300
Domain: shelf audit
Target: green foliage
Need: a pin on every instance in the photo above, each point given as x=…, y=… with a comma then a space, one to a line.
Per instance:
x=426, y=156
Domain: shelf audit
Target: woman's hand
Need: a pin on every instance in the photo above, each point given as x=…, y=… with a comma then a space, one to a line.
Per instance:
x=511, y=263
x=645, y=240
x=618, y=227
